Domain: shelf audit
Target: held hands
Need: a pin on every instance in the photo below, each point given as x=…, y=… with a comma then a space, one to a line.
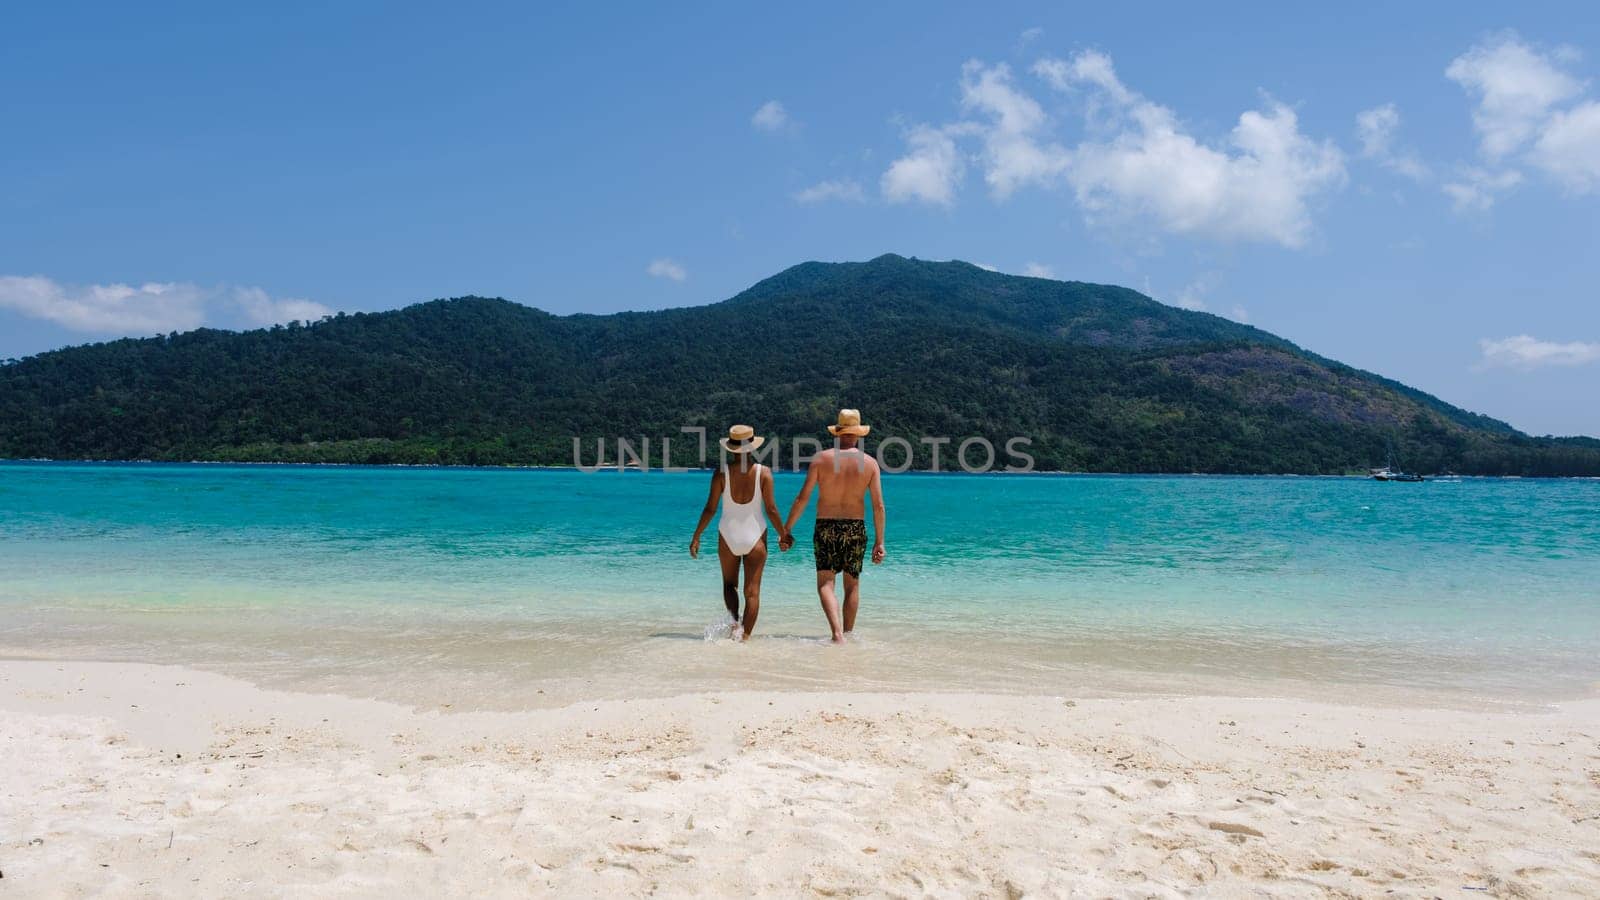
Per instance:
x=785, y=541
x=877, y=554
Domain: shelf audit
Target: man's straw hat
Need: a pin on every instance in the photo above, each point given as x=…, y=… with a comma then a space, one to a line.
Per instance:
x=742, y=439
x=849, y=423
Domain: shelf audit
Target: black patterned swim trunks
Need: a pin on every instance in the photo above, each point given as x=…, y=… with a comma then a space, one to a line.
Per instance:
x=840, y=544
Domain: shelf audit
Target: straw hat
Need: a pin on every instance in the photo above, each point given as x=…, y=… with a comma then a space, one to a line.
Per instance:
x=742, y=439
x=849, y=423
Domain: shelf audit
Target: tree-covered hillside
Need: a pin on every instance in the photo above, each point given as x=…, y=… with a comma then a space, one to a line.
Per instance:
x=1100, y=378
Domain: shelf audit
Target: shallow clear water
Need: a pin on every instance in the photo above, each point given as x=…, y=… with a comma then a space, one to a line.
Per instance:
x=510, y=587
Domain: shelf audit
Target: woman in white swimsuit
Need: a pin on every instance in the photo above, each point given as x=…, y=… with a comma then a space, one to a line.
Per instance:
x=741, y=533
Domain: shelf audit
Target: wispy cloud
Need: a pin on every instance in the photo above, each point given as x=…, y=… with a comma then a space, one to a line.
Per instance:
x=1193, y=295
x=772, y=118
x=263, y=309
x=1141, y=164
x=837, y=189
x=1038, y=270
x=669, y=269
x=149, y=308
x=1014, y=155
x=1568, y=148
x=1528, y=352
x=1515, y=86
x=1376, y=129
x=929, y=171
x=1476, y=190
x=1260, y=188
x=1529, y=112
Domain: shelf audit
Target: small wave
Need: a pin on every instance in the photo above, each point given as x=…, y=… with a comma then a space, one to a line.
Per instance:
x=722, y=630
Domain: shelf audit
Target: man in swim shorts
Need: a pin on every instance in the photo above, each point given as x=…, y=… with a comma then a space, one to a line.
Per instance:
x=845, y=474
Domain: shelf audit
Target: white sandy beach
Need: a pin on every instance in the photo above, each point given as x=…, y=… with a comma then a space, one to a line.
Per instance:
x=136, y=780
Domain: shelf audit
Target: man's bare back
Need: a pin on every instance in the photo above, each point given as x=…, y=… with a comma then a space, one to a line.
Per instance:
x=843, y=477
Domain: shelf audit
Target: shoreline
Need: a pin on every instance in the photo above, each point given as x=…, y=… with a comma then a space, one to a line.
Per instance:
x=130, y=778
x=463, y=690
x=703, y=469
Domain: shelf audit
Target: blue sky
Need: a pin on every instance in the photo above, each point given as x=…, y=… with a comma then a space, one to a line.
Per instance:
x=1411, y=188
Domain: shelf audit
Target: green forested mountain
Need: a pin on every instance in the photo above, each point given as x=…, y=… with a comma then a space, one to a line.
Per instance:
x=1101, y=378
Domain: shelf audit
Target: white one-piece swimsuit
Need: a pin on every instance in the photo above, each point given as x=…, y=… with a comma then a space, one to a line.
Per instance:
x=742, y=524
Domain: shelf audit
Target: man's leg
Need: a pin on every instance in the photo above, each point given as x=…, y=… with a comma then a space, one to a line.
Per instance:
x=852, y=600
x=755, y=562
x=830, y=604
x=730, y=578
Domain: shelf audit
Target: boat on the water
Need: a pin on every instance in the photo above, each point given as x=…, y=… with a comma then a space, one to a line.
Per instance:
x=1387, y=473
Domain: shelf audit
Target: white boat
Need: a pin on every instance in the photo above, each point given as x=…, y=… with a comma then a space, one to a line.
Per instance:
x=1388, y=474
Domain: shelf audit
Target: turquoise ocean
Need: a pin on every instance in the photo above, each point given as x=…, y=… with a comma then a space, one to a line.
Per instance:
x=505, y=588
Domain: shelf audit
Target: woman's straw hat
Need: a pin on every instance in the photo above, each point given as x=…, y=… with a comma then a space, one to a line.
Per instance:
x=849, y=423
x=742, y=439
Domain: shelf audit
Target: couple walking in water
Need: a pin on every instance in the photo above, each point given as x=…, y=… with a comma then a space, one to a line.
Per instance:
x=843, y=476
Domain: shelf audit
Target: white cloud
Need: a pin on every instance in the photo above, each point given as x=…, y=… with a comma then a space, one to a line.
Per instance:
x=1528, y=111
x=1038, y=270
x=1088, y=67
x=1527, y=352
x=1193, y=295
x=1029, y=35
x=1141, y=165
x=1149, y=167
x=1376, y=128
x=840, y=189
x=772, y=118
x=1475, y=190
x=151, y=308
x=1239, y=314
x=669, y=269
x=928, y=173
x=1569, y=147
x=262, y=309
x=986, y=267
x=1515, y=87
x=1012, y=155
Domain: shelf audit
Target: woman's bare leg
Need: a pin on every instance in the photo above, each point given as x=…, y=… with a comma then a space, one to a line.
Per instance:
x=755, y=563
x=730, y=578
